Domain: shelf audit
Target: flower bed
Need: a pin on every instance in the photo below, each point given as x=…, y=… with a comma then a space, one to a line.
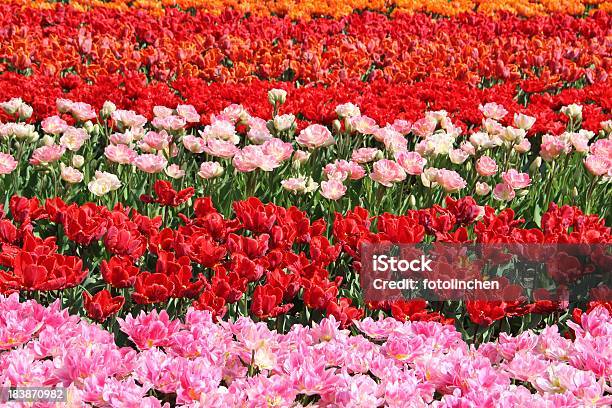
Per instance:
x=200, y=363
x=195, y=196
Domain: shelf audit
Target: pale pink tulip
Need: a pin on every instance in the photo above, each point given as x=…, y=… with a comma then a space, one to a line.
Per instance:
x=482, y=189
x=450, y=180
x=493, y=110
x=150, y=163
x=71, y=175
x=74, y=138
x=503, y=192
x=189, y=113
x=523, y=121
x=363, y=124
x=597, y=165
x=387, y=172
x=194, y=144
x=425, y=126
x=220, y=148
x=315, y=136
x=347, y=110
x=486, y=166
x=174, y=171
x=366, y=155
x=47, y=154
x=278, y=149
x=515, y=179
x=7, y=163
x=333, y=189
x=457, y=156
x=209, y=170
x=157, y=140
x=121, y=154
x=54, y=125
x=553, y=147
x=128, y=119
x=411, y=162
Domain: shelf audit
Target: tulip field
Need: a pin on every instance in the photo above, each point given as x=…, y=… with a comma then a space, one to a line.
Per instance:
x=191, y=191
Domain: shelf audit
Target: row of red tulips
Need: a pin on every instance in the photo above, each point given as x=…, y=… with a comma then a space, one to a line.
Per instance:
x=269, y=262
x=314, y=104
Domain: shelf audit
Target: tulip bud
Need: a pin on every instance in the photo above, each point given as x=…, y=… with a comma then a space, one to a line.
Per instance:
x=97, y=129
x=277, y=96
x=412, y=201
x=336, y=126
x=299, y=157
x=47, y=140
x=573, y=111
x=107, y=109
x=78, y=161
x=482, y=189
x=348, y=125
x=535, y=165
x=34, y=136
x=88, y=126
x=24, y=111
x=574, y=192
x=311, y=185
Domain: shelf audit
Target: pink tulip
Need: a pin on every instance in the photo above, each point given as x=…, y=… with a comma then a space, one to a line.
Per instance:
x=387, y=172
x=503, y=192
x=365, y=155
x=189, y=113
x=121, y=154
x=597, y=165
x=258, y=131
x=194, y=144
x=172, y=123
x=220, y=148
x=7, y=163
x=482, y=189
x=411, y=162
x=278, y=149
x=174, y=171
x=47, y=154
x=363, y=124
x=553, y=147
x=486, y=166
x=457, y=156
x=515, y=179
x=424, y=127
x=128, y=119
x=209, y=170
x=54, y=125
x=157, y=140
x=333, y=189
x=450, y=180
x=73, y=138
x=493, y=111
x=602, y=148
x=315, y=136
x=252, y=157
x=150, y=163
x=71, y=175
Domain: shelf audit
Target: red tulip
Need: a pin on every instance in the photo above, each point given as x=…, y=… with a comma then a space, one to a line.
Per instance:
x=85, y=224
x=167, y=196
x=101, y=305
x=152, y=288
x=267, y=301
x=119, y=271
